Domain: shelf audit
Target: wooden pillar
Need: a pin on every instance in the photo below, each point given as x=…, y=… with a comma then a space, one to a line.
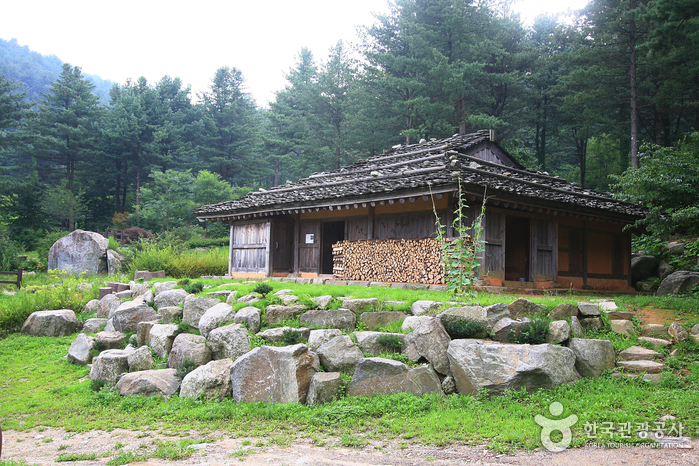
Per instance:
x=627, y=259
x=584, y=254
x=297, y=232
x=449, y=227
x=230, y=252
x=370, y=223
x=270, y=250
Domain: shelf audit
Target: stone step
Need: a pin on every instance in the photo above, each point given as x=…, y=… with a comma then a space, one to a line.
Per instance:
x=651, y=367
x=638, y=353
x=656, y=342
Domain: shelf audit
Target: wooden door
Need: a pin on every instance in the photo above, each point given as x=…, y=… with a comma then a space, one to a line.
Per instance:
x=309, y=247
x=250, y=247
x=544, y=249
x=493, y=262
x=282, y=246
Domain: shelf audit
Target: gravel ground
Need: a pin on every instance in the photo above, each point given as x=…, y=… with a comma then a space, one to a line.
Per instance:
x=43, y=447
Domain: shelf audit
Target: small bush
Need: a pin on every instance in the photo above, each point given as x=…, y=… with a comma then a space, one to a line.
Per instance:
x=534, y=333
x=392, y=343
x=184, y=368
x=194, y=288
x=263, y=288
x=184, y=327
x=97, y=385
x=291, y=337
x=463, y=329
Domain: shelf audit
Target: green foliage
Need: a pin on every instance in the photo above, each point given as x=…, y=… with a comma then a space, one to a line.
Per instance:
x=291, y=337
x=113, y=244
x=533, y=333
x=185, y=368
x=9, y=251
x=172, y=451
x=97, y=385
x=463, y=329
x=65, y=457
x=127, y=457
x=201, y=242
x=176, y=263
x=43, y=245
x=392, y=343
x=263, y=288
x=184, y=327
x=194, y=288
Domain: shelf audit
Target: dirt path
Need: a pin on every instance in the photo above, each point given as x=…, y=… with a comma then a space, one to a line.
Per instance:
x=44, y=447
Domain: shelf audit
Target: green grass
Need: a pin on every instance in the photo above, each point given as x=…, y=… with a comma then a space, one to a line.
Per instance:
x=45, y=391
x=178, y=263
x=66, y=457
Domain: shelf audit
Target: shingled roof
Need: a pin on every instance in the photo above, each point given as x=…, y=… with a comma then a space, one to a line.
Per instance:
x=410, y=170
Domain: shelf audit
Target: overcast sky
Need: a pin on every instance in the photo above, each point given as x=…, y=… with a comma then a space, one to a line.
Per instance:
x=191, y=40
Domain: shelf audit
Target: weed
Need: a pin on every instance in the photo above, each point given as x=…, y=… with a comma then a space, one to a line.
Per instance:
x=119, y=446
x=97, y=385
x=48, y=440
x=62, y=447
x=65, y=457
x=185, y=368
x=291, y=337
x=242, y=453
x=463, y=329
x=392, y=343
x=126, y=458
x=246, y=443
x=533, y=333
x=185, y=327
x=354, y=441
x=172, y=451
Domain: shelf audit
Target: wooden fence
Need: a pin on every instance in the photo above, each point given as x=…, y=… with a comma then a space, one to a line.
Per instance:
x=118, y=235
x=17, y=282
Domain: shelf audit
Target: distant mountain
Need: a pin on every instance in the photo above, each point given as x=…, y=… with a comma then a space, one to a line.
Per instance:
x=37, y=71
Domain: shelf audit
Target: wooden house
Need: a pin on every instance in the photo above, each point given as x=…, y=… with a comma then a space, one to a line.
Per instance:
x=539, y=230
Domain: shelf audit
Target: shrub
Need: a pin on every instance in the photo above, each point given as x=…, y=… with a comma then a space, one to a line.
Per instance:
x=391, y=343
x=184, y=327
x=534, y=333
x=263, y=288
x=184, y=368
x=135, y=233
x=463, y=329
x=97, y=385
x=194, y=288
x=44, y=244
x=179, y=263
x=291, y=337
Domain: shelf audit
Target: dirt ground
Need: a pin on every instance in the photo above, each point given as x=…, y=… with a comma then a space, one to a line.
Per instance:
x=35, y=447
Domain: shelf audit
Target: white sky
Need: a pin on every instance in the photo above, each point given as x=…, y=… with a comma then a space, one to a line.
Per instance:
x=191, y=40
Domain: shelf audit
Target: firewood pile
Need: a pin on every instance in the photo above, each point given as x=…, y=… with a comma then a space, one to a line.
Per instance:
x=389, y=260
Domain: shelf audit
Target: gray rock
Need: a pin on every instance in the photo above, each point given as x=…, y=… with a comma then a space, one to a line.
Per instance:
x=289, y=299
x=425, y=307
x=214, y=317
x=559, y=331
x=161, y=337
x=343, y=319
x=170, y=314
x=169, y=298
x=429, y=341
x=655, y=342
x=108, y=365
x=592, y=357
x=638, y=353
x=273, y=374
x=592, y=323
x=375, y=320
x=576, y=329
x=80, y=251
x=249, y=317
x=107, y=305
x=495, y=313
x=677, y=332
x=655, y=329
x=232, y=298
x=276, y=313
x=521, y=307
x=423, y=380
x=622, y=327
x=188, y=347
x=220, y=294
x=588, y=310
x=160, y=287
x=211, y=381
x=361, y=305
x=324, y=388
x=676, y=247
x=695, y=330
x=448, y=385
x=618, y=315
x=607, y=306
x=276, y=335
x=126, y=294
x=505, y=330
x=80, y=351
x=664, y=270
x=58, y=323
x=323, y=301
x=94, y=325
x=563, y=311
x=148, y=297
x=149, y=383
x=248, y=298
x=195, y=307
x=92, y=305
x=228, y=342
x=143, y=332
x=283, y=292
x=140, y=360
x=413, y=322
x=339, y=354
x=378, y=376
x=317, y=337
x=139, y=289
x=497, y=367
x=127, y=317
x=110, y=340
x=651, y=367
x=465, y=314
x=368, y=341
x=643, y=267
x=678, y=282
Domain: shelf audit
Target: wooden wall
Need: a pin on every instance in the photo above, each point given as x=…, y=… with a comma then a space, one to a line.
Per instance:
x=249, y=250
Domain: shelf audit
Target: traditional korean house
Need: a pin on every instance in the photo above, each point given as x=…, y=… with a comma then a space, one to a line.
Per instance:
x=539, y=230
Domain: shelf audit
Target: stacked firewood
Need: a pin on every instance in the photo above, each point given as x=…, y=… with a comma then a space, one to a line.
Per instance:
x=390, y=260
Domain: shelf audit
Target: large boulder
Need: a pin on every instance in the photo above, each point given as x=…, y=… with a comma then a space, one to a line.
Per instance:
x=110, y=340
x=586, y=310
x=143, y=332
x=273, y=374
x=677, y=332
x=230, y=341
x=380, y=376
x=361, y=305
x=170, y=314
x=107, y=305
x=211, y=381
x=638, y=353
x=170, y=298
x=161, y=337
x=643, y=267
x=188, y=347
x=94, y=325
x=413, y=322
x=277, y=313
x=523, y=307
x=140, y=359
x=58, y=323
x=495, y=313
x=678, y=283
x=369, y=342
x=80, y=351
x=108, y=365
x=80, y=251
x=115, y=262
x=563, y=311
x=159, y=287
x=375, y=320
x=343, y=319
x=250, y=317
x=317, y=337
x=214, y=317
x=339, y=354
x=149, y=383
x=195, y=307
x=497, y=367
x=429, y=341
x=127, y=317
x=324, y=388
x=592, y=357
x=276, y=335
x=422, y=306
x=559, y=331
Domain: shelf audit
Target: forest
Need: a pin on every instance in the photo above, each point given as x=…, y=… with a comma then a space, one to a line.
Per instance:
x=610, y=101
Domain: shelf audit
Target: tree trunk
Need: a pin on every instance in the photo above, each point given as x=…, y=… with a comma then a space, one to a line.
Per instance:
x=634, y=97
